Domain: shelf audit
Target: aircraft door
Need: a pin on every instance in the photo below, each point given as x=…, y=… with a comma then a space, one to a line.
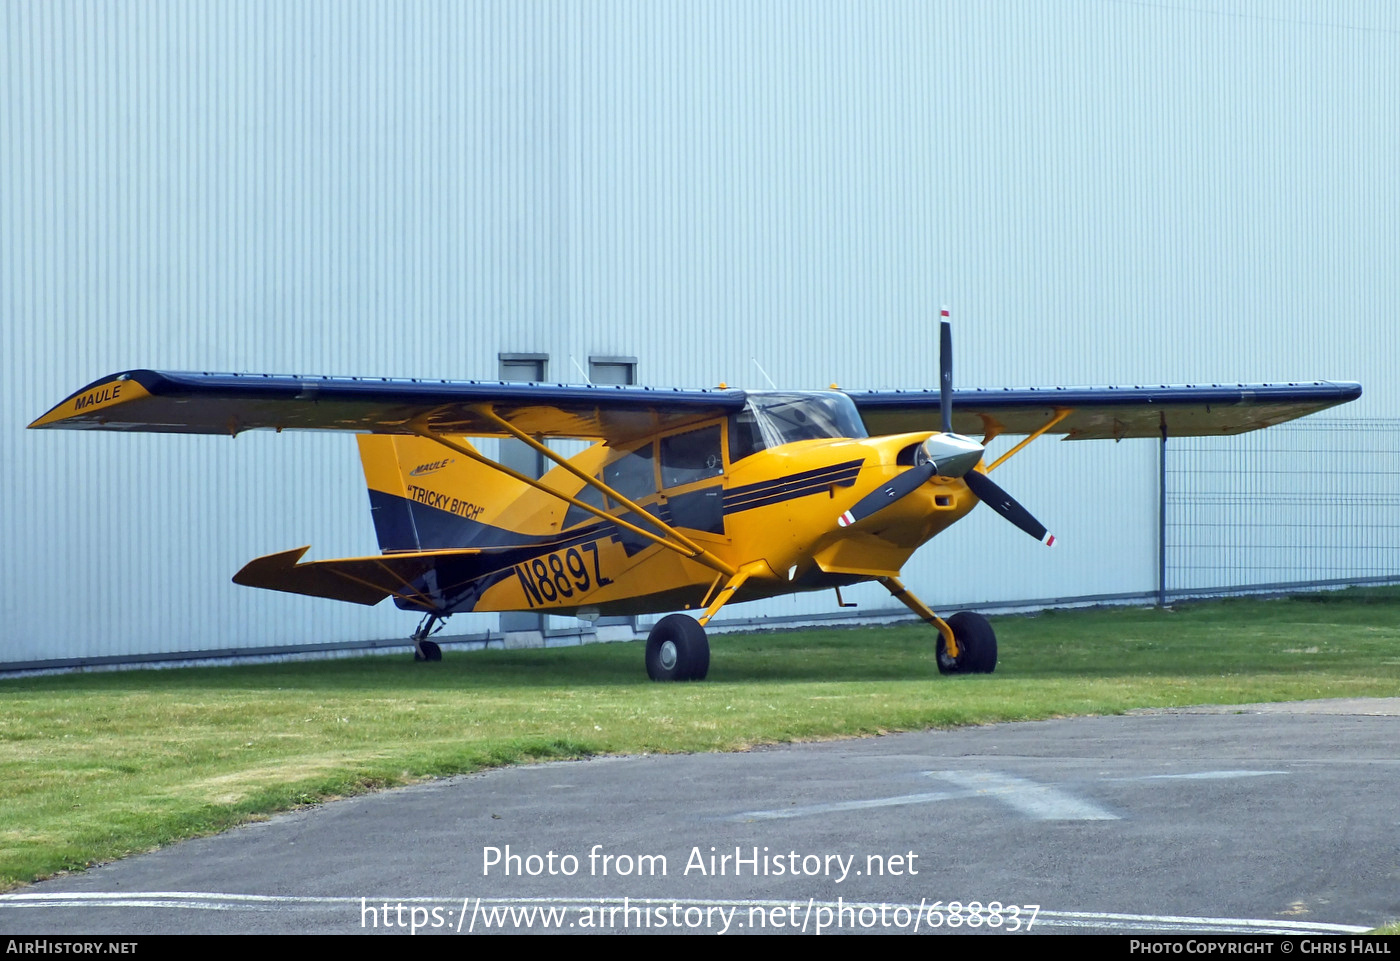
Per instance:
x=692, y=478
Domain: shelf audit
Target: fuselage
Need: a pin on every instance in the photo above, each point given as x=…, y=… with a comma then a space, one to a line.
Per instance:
x=740, y=487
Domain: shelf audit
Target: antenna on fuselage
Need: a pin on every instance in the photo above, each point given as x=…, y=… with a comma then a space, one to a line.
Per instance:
x=578, y=367
x=764, y=373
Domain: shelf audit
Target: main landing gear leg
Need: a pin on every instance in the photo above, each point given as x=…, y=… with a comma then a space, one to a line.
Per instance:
x=677, y=649
x=424, y=649
x=966, y=642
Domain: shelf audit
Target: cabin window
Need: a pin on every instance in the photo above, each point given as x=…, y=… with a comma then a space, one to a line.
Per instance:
x=591, y=496
x=632, y=475
x=692, y=456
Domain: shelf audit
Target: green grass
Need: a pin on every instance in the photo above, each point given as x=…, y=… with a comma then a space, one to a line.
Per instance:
x=96, y=766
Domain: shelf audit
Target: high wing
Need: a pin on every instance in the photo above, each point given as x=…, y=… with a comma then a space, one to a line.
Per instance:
x=1104, y=413
x=205, y=403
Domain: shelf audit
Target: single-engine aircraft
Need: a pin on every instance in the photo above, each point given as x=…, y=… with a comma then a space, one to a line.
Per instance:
x=687, y=499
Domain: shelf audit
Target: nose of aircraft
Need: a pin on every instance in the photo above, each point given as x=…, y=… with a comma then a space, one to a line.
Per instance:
x=952, y=455
x=947, y=454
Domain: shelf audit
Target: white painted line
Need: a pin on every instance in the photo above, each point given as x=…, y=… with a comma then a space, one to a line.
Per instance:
x=208, y=900
x=1199, y=776
x=833, y=807
x=1039, y=802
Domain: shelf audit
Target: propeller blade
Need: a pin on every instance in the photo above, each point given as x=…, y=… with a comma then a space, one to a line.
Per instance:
x=945, y=372
x=987, y=491
x=902, y=485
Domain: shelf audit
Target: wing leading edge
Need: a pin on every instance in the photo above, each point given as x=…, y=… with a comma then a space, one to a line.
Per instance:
x=1105, y=413
x=206, y=403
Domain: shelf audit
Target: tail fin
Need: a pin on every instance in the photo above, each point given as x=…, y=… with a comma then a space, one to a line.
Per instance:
x=424, y=497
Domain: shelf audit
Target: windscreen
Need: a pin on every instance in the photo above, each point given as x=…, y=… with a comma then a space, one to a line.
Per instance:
x=770, y=419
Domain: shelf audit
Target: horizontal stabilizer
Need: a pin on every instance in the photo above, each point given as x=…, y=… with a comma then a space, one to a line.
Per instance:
x=359, y=580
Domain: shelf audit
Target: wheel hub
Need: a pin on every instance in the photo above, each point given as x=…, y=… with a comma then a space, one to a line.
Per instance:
x=668, y=655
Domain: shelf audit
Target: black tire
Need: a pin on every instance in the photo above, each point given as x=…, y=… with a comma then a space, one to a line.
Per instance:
x=677, y=650
x=427, y=651
x=977, y=645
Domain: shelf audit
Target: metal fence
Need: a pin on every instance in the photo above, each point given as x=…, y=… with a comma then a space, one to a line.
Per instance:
x=1311, y=503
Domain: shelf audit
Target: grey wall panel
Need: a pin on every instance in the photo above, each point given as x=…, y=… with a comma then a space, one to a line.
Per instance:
x=1104, y=192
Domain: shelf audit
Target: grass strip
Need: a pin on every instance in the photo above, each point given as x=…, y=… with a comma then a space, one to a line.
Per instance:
x=97, y=766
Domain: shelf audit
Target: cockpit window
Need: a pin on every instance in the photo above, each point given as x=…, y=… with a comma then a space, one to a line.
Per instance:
x=770, y=419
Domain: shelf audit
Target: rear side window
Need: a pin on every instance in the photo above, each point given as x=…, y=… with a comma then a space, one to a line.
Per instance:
x=633, y=475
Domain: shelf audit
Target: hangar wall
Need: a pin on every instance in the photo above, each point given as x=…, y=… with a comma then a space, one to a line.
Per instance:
x=1104, y=192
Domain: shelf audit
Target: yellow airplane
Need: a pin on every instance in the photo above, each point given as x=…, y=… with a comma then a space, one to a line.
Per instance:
x=687, y=500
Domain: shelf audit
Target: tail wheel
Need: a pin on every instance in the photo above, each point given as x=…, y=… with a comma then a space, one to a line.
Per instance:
x=424, y=649
x=977, y=646
x=677, y=650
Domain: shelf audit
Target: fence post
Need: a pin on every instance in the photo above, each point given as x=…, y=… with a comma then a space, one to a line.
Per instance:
x=1162, y=519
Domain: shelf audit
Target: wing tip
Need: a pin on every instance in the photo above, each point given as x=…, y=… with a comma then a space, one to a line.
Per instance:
x=255, y=572
x=90, y=406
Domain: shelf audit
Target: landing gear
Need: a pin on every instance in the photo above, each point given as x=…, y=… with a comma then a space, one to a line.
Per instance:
x=977, y=646
x=424, y=649
x=974, y=637
x=677, y=650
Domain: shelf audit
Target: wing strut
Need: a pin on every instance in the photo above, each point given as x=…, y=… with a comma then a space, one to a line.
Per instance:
x=1060, y=414
x=673, y=539
x=417, y=597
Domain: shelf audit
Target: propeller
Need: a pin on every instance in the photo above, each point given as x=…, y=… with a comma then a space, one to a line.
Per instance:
x=945, y=371
x=901, y=485
x=990, y=493
x=948, y=455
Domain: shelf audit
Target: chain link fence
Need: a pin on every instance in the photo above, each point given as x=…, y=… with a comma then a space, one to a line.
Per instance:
x=1314, y=503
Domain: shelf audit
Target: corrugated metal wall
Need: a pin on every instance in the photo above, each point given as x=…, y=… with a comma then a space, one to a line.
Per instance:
x=1104, y=191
